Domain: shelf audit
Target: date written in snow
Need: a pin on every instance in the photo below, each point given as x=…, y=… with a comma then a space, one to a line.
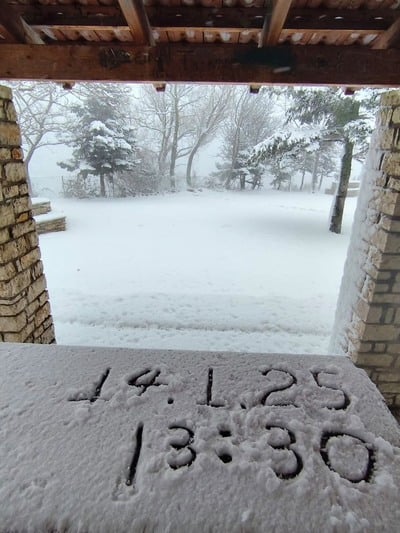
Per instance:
x=349, y=456
x=276, y=381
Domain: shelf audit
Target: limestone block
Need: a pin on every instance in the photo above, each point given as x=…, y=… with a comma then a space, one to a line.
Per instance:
x=374, y=332
x=389, y=202
x=3, y=115
x=390, y=98
x=394, y=183
x=386, y=241
x=367, y=312
x=5, y=93
x=31, y=308
x=393, y=348
x=379, y=347
x=13, y=309
x=390, y=387
x=16, y=285
x=15, y=172
x=23, y=245
x=7, y=217
x=395, y=119
x=5, y=154
x=7, y=271
x=32, y=238
x=23, y=189
x=4, y=235
x=387, y=298
x=8, y=252
x=36, y=288
x=384, y=116
x=372, y=359
x=10, y=134
x=11, y=191
x=42, y=314
x=30, y=258
x=48, y=336
x=17, y=154
x=388, y=315
x=388, y=223
x=23, y=217
x=391, y=164
x=22, y=336
x=22, y=204
x=385, y=138
x=10, y=112
x=13, y=324
x=37, y=271
x=389, y=376
x=24, y=228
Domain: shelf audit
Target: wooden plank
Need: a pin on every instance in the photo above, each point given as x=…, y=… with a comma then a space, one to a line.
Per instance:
x=300, y=65
x=388, y=39
x=16, y=27
x=229, y=18
x=136, y=17
x=272, y=30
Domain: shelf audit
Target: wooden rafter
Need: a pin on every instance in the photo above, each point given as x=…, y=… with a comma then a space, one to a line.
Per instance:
x=136, y=17
x=274, y=24
x=16, y=29
x=390, y=38
x=300, y=65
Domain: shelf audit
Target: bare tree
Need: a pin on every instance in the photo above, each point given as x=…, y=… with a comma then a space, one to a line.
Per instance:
x=165, y=118
x=209, y=111
x=41, y=114
x=250, y=119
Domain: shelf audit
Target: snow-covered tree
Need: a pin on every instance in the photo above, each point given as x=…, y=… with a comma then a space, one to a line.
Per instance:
x=284, y=151
x=102, y=137
x=345, y=119
x=165, y=120
x=250, y=119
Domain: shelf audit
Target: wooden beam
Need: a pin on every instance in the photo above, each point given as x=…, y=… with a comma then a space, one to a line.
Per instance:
x=136, y=17
x=201, y=63
x=15, y=26
x=390, y=38
x=272, y=30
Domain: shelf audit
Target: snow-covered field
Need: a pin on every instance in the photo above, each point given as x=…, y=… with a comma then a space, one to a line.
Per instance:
x=255, y=271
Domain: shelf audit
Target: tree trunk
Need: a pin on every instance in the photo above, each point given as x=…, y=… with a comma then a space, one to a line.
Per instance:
x=302, y=178
x=341, y=193
x=102, y=186
x=314, y=180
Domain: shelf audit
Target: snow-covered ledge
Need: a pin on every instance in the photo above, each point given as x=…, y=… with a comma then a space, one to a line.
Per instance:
x=100, y=440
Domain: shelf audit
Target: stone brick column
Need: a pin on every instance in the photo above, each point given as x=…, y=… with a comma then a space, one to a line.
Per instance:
x=367, y=324
x=24, y=306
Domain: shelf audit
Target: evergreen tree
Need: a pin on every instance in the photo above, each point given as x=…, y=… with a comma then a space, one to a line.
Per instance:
x=103, y=140
x=346, y=119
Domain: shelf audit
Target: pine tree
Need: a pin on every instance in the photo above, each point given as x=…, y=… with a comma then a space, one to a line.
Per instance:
x=103, y=140
x=345, y=119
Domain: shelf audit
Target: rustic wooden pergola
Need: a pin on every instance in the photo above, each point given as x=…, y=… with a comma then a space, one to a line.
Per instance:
x=348, y=43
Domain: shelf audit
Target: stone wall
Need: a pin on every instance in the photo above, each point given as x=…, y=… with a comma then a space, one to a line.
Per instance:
x=24, y=306
x=368, y=315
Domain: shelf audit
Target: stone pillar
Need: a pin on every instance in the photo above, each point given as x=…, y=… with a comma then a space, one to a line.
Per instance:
x=367, y=326
x=24, y=306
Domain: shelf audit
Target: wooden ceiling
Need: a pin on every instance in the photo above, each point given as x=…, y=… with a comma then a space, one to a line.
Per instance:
x=332, y=42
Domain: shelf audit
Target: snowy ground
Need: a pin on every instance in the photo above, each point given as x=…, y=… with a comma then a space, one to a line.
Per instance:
x=256, y=272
